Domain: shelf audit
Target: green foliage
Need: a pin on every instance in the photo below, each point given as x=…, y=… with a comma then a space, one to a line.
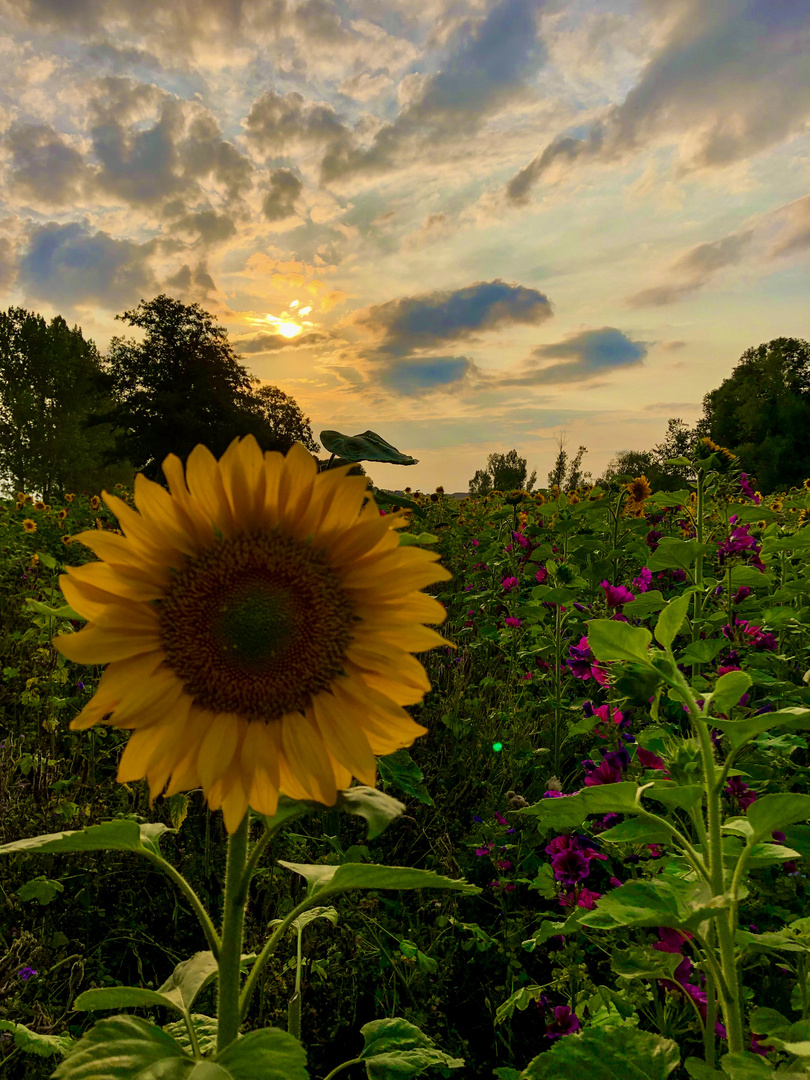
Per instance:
x=613, y=1054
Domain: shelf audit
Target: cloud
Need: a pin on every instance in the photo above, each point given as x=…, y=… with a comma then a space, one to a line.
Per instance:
x=729, y=80
x=425, y=375
x=278, y=120
x=67, y=264
x=583, y=356
x=207, y=226
x=267, y=342
x=695, y=267
x=44, y=168
x=795, y=234
x=488, y=64
x=283, y=190
x=418, y=322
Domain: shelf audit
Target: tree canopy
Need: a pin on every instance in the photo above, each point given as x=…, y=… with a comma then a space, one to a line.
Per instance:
x=184, y=385
x=504, y=472
x=51, y=380
x=762, y=413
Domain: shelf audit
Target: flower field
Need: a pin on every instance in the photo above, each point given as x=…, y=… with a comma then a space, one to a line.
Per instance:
x=611, y=797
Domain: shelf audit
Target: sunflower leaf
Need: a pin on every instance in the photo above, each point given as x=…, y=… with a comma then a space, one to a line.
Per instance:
x=265, y=1054
x=368, y=446
x=36, y=1043
x=375, y=806
x=336, y=879
x=123, y=834
x=123, y=1047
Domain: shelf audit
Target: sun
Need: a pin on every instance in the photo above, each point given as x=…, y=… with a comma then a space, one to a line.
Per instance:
x=288, y=329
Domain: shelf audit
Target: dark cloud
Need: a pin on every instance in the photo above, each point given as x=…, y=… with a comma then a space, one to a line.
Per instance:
x=198, y=283
x=119, y=57
x=67, y=264
x=488, y=65
x=429, y=374
x=283, y=190
x=422, y=321
x=8, y=262
x=277, y=120
x=795, y=235
x=44, y=169
x=731, y=72
x=207, y=226
x=267, y=342
x=584, y=356
x=695, y=267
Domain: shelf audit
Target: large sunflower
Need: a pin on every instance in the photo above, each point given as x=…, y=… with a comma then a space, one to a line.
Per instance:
x=256, y=625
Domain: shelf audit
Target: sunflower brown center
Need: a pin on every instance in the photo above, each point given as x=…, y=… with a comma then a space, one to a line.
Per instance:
x=256, y=625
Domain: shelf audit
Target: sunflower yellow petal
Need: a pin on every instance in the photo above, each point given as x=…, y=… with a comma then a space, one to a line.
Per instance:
x=127, y=583
x=217, y=749
x=139, y=750
x=106, y=609
x=344, y=738
x=306, y=756
x=101, y=645
x=207, y=490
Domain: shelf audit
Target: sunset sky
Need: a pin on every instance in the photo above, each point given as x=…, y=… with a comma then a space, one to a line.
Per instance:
x=468, y=225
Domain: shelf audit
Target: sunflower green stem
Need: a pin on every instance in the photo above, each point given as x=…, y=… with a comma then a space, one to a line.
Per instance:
x=233, y=920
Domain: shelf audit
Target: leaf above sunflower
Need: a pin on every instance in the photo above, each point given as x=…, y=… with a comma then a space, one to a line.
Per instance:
x=368, y=446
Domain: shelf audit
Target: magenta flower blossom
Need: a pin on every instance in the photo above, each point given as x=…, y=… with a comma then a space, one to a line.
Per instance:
x=564, y=1023
x=541, y=575
x=501, y=819
x=644, y=579
x=649, y=760
x=515, y=623
x=570, y=867
x=609, y=771
x=616, y=595
x=741, y=543
x=741, y=594
x=747, y=488
x=740, y=793
x=26, y=973
x=487, y=849
x=604, y=714
x=510, y=583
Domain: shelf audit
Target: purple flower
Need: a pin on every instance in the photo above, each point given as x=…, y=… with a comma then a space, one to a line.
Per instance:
x=515, y=623
x=649, y=760
x=739, y=542
x=740, y=793
x=510, y=583
x=644, y=580
x=570, y=867
x=616, y=595
x=564, y=1023
x=747, y=488
x=26, y=973
x=652, y=539
x=541, y=575
x=485, y=850
x=741, y=594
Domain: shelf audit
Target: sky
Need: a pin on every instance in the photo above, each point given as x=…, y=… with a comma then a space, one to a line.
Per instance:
x=466, y=225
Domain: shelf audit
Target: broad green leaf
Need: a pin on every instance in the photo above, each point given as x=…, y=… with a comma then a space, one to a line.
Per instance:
x=205, y=1028
x=645, y=604
x=672, y=618
x=125, y=1048
x=395, y=1050
x=674, y=554
x=307, y=917
x=772, y=812
x=41, y=889
x=748, y=1066
x=122, y=997
x=644, y=962
x=745, y=575
x=612, y=640
x=701, y=652
x=669, y=498
x=178, y=808
x=189, y=978
x=739, y=731
x=670, y=793
x=32, y=1042
x=728, y=690
x=64, y=611
x=699, y=1070
x=768, y=854
x=328, y=880
x=657, y=902
x=401, y=770
x=266, y=1054
x=635, y=830
x=797, y=541
x=123, y=834
x=409, y=539
x=615, y=1053
x=571, y=810
x=368, y=446
x=378, y=809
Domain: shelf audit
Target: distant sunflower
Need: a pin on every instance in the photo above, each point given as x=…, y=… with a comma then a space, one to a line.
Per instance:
x=257, y=626
x=29, y=525
x=95, y=502
x=638, y=491
x=69, y=498
x=61, y=515
x=39, y=505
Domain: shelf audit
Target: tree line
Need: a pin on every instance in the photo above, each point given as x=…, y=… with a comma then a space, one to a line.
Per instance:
x=761, y=412
x=72, y=419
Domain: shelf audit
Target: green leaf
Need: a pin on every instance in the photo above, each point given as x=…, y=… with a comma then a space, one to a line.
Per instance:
x=658, y=902
x=64, y=611
x=571, y=810
x=205, y=1028
x=728, y=690
x=402, y=771
x=178, y=808
x=672, y=618
x=378, y=809
x=673, y=554
x=772, y=812
x=635, y=830
x=670, y=793
x=748, y=1066
x=368, y=446
x=122, y=997
x=307, y=917
x=701, y=652
x=614, y=1053
x=41, y=889
x=736, y=576
x=699, y=1070
x=266, y=1054
x=409, y=539
x=323, y=880
x=646, y=604
x=644, y=962
x=122, y=834
x=125, y=1048
x=739, y=731
x=32, y=1042
x=395, y=1050
x=521, y=999
x=612, y=640
x=189, y=978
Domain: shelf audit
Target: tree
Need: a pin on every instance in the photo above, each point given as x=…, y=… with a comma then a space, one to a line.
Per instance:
x=181, y=386
x=51, y=381
x=762, y=413
x=284, y=417
x=505, y=472
x=567, y=475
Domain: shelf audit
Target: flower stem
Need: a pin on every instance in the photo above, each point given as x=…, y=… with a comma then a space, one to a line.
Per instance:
x=230, y=956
